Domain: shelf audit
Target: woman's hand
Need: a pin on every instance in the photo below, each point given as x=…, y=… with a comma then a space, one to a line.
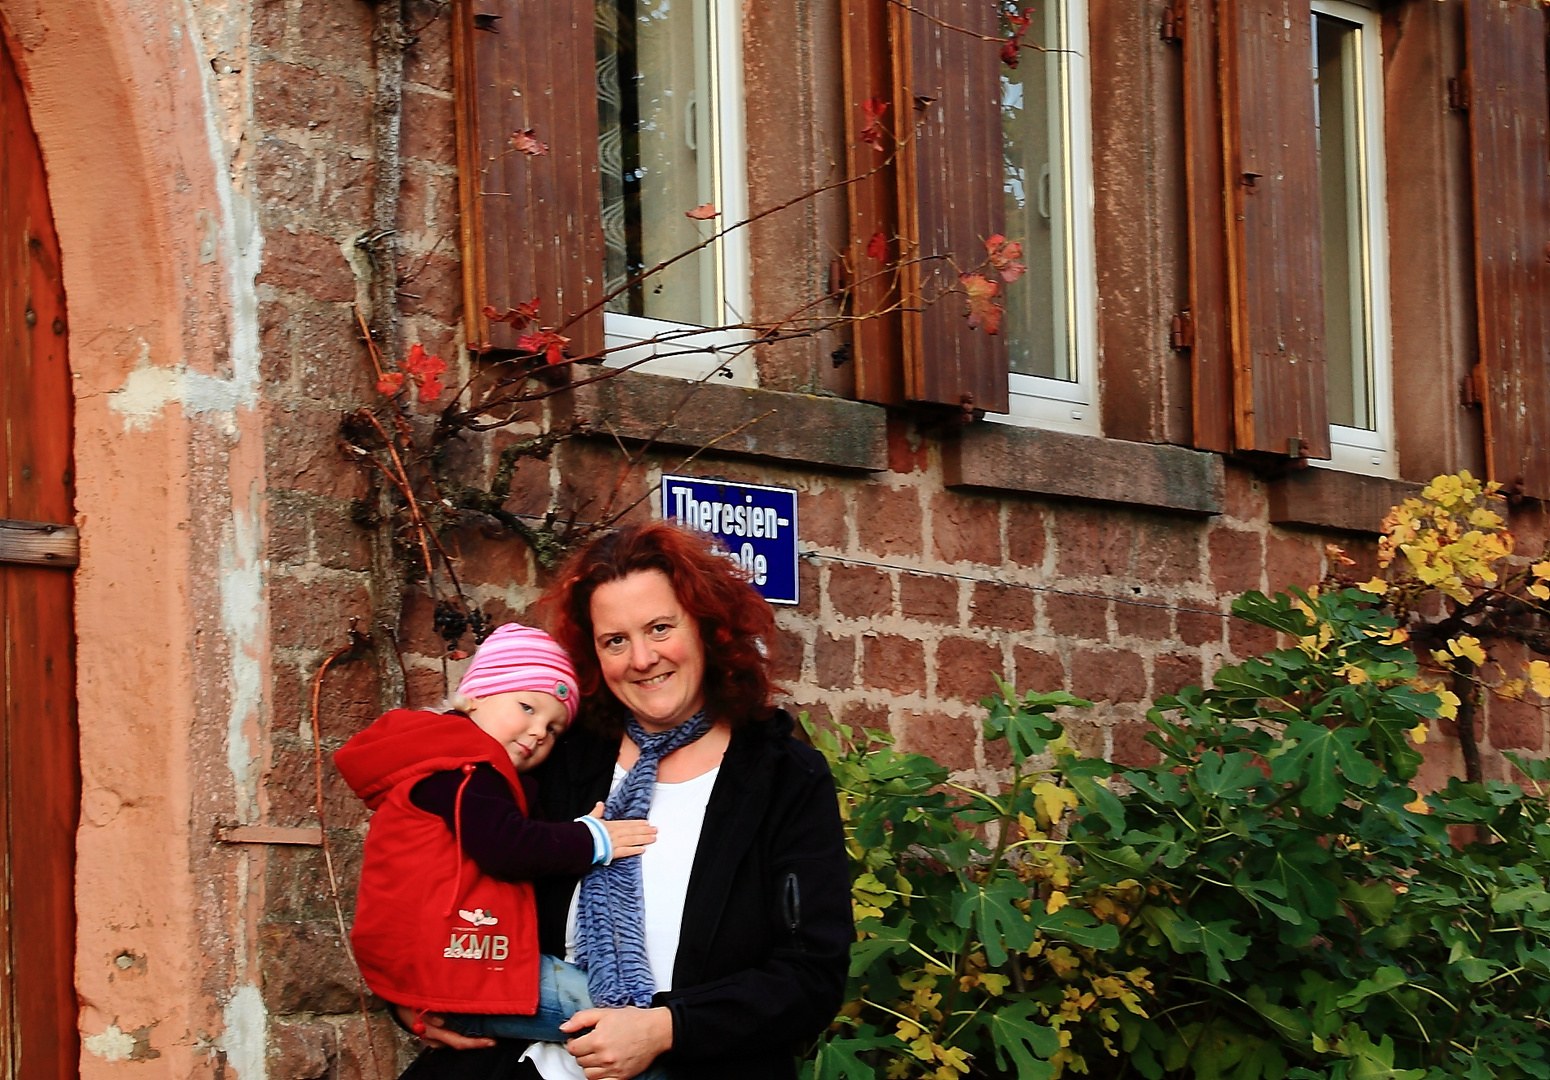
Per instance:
x=622, y=1043
x=628, y=837
x=436, y=1032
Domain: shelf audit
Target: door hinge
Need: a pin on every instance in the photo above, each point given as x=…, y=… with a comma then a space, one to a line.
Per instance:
x=1458, y=93
x=1183, y=335
x=1173, y=23
x=1472, y=387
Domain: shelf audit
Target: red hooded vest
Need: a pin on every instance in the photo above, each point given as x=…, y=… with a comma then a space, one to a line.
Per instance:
x=432, y=931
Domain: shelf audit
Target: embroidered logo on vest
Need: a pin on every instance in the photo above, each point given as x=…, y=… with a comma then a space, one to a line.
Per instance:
x=477, y=917
x=474, y=947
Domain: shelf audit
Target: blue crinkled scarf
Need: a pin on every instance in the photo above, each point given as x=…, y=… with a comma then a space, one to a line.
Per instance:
x=611, y=916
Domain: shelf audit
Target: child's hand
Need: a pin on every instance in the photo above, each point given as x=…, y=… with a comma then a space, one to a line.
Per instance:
x=629, y=837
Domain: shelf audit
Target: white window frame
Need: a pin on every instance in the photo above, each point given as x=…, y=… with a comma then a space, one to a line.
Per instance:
x=1035, y=401
x=679, y=350
x=1359, y=450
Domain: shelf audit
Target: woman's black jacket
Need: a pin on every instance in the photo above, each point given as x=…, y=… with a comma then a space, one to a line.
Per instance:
x=767, y=925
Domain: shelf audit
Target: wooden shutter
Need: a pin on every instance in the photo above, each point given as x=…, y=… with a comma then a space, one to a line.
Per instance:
x=1509, y=114
x=948, y=96
x=873, y=203
x=531, y=225
x=1209, y=336
x=1275, y=270
x=39, y=777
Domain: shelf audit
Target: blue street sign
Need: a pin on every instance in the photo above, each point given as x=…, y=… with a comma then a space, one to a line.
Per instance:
x=757, y=524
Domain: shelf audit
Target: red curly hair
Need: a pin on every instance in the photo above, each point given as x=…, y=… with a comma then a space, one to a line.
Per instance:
x=736, y=624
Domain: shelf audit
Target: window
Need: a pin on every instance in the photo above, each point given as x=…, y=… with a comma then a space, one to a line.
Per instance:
x=670, y=138
x=1348, y=118
x=1050, y=323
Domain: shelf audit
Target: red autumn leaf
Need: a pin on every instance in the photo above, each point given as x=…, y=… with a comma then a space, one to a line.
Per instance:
x=425, y=369
x=983, y=309
x=524, y=142
x=877, y=247
x=872, y=132
x=547, y=342
x=518, y=316
x=1012, y=47
x=1004, y=254
x=389, y=382
x=702, y=213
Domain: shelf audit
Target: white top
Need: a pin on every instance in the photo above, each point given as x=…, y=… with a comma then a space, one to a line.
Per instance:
x=678, y=812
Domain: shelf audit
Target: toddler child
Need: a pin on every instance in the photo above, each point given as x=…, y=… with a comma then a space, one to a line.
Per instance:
x=445, y=919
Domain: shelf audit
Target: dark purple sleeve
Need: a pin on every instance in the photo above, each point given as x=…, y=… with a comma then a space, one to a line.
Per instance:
x=507, y=844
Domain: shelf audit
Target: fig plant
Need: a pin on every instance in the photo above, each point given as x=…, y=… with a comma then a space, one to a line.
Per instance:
x=1272, y=899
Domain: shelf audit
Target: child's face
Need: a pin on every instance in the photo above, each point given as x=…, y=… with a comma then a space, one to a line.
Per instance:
x=525, y=722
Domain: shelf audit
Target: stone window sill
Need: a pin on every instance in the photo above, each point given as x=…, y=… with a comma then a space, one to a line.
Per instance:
x=1004, y=458
x=826, y=431
x=1327, y=499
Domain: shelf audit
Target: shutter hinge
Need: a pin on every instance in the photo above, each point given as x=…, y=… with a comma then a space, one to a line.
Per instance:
x=1183, y=335
x=1295, y=448
x=1472, y=387
x=1173, y=23
x=1458, y=93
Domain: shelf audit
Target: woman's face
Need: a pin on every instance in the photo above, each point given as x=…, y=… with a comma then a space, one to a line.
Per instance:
x=649, y=649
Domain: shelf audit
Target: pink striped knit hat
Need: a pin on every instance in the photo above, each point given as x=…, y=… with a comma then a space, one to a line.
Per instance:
x=517, y=657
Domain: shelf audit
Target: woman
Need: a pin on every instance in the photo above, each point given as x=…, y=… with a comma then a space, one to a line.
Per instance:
x=744, y=900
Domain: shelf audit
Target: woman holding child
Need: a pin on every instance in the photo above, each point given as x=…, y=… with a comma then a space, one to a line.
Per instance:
x=724, y=946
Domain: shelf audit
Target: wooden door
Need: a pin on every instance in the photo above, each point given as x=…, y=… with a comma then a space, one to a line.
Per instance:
x=39, y=774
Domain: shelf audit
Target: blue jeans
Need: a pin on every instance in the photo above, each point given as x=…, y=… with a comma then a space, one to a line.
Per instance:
x=562, y=993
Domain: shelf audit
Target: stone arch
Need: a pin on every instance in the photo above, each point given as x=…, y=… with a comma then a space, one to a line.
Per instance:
x=159, y=257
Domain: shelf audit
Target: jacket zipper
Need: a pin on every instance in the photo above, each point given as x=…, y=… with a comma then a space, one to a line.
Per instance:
x=791, y=901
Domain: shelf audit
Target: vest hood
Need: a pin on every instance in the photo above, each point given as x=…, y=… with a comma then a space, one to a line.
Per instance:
x=406, y=744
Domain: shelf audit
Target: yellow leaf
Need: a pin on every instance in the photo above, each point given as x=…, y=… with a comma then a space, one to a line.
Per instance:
x=1541, y=569
x=1050, y=801
x=1449, y=704
x=955, y=1057
x=1398, y=636
x=1468, y=647
x=1377, y=586
x=1418, y=734
x=1056, y=901
x=994, y=984
x=1442, y=657
x=1353, y=674
x=907, y=1031
x=1511, y=690
x=1539, y=677
x=1419, y=806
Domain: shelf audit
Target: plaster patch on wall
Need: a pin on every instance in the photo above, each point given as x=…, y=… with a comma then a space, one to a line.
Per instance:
x=232, y=232
x=111, y=1045
x=143, y=396
x=243, y=1040
x=242, y=619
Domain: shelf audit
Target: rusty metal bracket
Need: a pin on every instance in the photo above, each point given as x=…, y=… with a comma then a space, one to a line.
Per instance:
x=1182, y=335
x=1472, y=388
x=1458, y=93
x=39, y=543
